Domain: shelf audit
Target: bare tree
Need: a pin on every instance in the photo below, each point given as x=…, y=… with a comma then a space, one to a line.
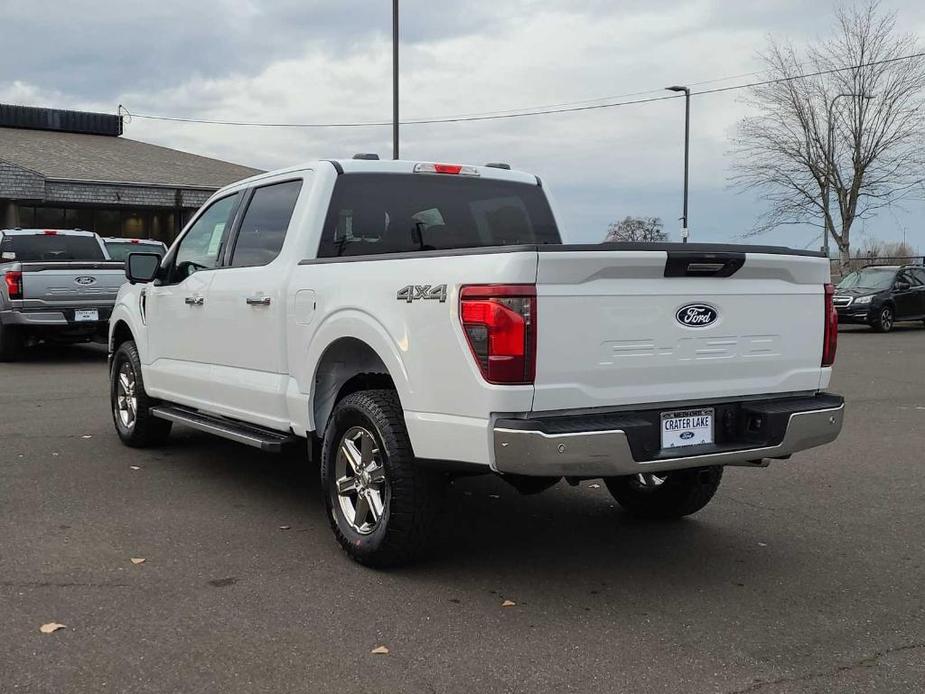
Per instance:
x=840, y=133
x=648, y=229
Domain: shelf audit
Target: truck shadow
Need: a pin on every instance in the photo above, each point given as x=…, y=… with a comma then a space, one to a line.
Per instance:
x=574, y=539
x=63, y=354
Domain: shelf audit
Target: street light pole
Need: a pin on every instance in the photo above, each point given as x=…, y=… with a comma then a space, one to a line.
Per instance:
x=687, y=147
x=394, y=79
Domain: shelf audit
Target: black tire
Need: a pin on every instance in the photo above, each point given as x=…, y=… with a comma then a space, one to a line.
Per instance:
x=144, y=430
x=411, y=497
x=885, y=320
x=11, y=342
x=681, y=492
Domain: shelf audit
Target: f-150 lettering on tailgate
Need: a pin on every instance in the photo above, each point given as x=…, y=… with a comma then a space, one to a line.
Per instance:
x=691, y=348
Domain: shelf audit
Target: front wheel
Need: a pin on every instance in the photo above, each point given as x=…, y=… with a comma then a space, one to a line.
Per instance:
x=381, y=505
x=885, y=320
x=662, y=495
x=136, y=426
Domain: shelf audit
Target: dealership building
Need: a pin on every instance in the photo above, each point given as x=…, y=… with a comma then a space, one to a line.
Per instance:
x=74, y=170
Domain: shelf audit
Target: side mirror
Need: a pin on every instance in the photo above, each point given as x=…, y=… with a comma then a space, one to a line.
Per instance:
x=142, y=267
x=901, y=286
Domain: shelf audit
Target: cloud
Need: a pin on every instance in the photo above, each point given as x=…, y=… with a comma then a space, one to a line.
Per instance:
x=319, y=61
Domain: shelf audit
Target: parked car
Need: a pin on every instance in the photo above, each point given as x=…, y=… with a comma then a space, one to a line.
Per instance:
x=418, y=320
x=881, y=295
x=59, y=285
x=119, y=248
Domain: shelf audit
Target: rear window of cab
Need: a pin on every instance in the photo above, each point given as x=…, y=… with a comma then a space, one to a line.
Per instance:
x=397, y=213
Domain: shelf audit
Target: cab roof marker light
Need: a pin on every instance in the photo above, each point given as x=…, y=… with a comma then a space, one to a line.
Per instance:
x=454, y=169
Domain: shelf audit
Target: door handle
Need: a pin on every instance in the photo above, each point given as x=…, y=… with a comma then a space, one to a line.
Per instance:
x=194, y=301
x=258, y=301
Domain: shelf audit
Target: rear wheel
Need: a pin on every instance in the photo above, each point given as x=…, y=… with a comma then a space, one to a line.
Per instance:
x=885, y=320
x=381, y=505
x=136, y=426
x=666, y=494
x=11, y=342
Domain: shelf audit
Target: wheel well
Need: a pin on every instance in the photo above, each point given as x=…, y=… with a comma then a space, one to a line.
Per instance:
x=121, y=333
x=347, y=366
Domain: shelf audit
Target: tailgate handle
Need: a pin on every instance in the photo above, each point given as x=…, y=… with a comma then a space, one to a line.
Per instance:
x=698, y=264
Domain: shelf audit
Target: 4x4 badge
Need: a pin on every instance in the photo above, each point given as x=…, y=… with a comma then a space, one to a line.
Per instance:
x=413, y=292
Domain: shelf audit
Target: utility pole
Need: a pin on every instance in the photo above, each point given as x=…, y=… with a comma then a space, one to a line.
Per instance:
x=687, y=147
x=394, y=79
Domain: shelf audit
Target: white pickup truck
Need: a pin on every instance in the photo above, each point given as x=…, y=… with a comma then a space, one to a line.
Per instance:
x=415, y=321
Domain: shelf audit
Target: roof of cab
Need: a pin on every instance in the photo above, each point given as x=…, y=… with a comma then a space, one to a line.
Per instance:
x=122, y=239
x=401, y=166
x=33, y=232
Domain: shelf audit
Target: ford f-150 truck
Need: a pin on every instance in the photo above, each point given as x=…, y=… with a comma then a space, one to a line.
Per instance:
x=418, y=320
x=58, y=285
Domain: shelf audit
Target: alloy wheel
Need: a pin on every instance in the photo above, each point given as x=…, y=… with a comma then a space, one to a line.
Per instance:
x=362, y=487
x=886, y=319
x=126, y=402
x=650, y=480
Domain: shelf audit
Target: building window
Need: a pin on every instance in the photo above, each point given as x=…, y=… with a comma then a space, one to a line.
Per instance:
x=160, y=224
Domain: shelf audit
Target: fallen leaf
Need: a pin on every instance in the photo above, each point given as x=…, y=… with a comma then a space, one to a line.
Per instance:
x=134, y=467
x=285, y=527
x=51, y=627
x=380, y=650
x=762, y=544
x=508, y=603
x=137, y=560
x=87, y=436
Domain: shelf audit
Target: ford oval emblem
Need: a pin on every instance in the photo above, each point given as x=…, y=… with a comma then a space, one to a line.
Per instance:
x=696, y=315
x=85, y=280
x=687, y=435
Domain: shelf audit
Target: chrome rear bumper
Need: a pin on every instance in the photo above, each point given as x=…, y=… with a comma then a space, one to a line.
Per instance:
x=608, y=454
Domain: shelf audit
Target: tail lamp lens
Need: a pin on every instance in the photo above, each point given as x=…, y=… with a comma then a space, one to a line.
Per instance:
x=499, y=322
x=13, y=280
x=830, y=336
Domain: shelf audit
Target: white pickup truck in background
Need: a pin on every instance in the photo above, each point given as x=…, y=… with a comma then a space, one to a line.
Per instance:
x=59, y=285
x=422, y=320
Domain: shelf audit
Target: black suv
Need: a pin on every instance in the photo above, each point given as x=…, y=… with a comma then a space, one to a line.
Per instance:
x=880, y=295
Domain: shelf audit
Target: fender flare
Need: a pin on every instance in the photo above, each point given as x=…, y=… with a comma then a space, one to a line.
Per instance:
x=365, y=328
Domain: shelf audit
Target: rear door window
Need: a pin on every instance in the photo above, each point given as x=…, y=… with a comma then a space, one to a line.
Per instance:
x=30, y=248
x=265, y=222
x=395, y=213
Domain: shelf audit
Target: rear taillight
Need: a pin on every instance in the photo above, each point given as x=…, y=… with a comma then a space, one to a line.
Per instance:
x=13, y=279
x=830, y=336
x=500, y=325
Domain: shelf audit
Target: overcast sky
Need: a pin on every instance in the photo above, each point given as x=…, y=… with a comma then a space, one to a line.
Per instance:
x=330, y=60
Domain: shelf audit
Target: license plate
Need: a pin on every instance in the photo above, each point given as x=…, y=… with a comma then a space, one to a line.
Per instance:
x=683, y=428
x=87, y=314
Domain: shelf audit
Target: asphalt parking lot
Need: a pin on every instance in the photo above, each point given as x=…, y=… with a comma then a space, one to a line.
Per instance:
x=807, y=576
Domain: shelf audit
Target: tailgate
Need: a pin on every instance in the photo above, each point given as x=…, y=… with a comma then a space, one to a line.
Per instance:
x=73, y=284
x=632, y=327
